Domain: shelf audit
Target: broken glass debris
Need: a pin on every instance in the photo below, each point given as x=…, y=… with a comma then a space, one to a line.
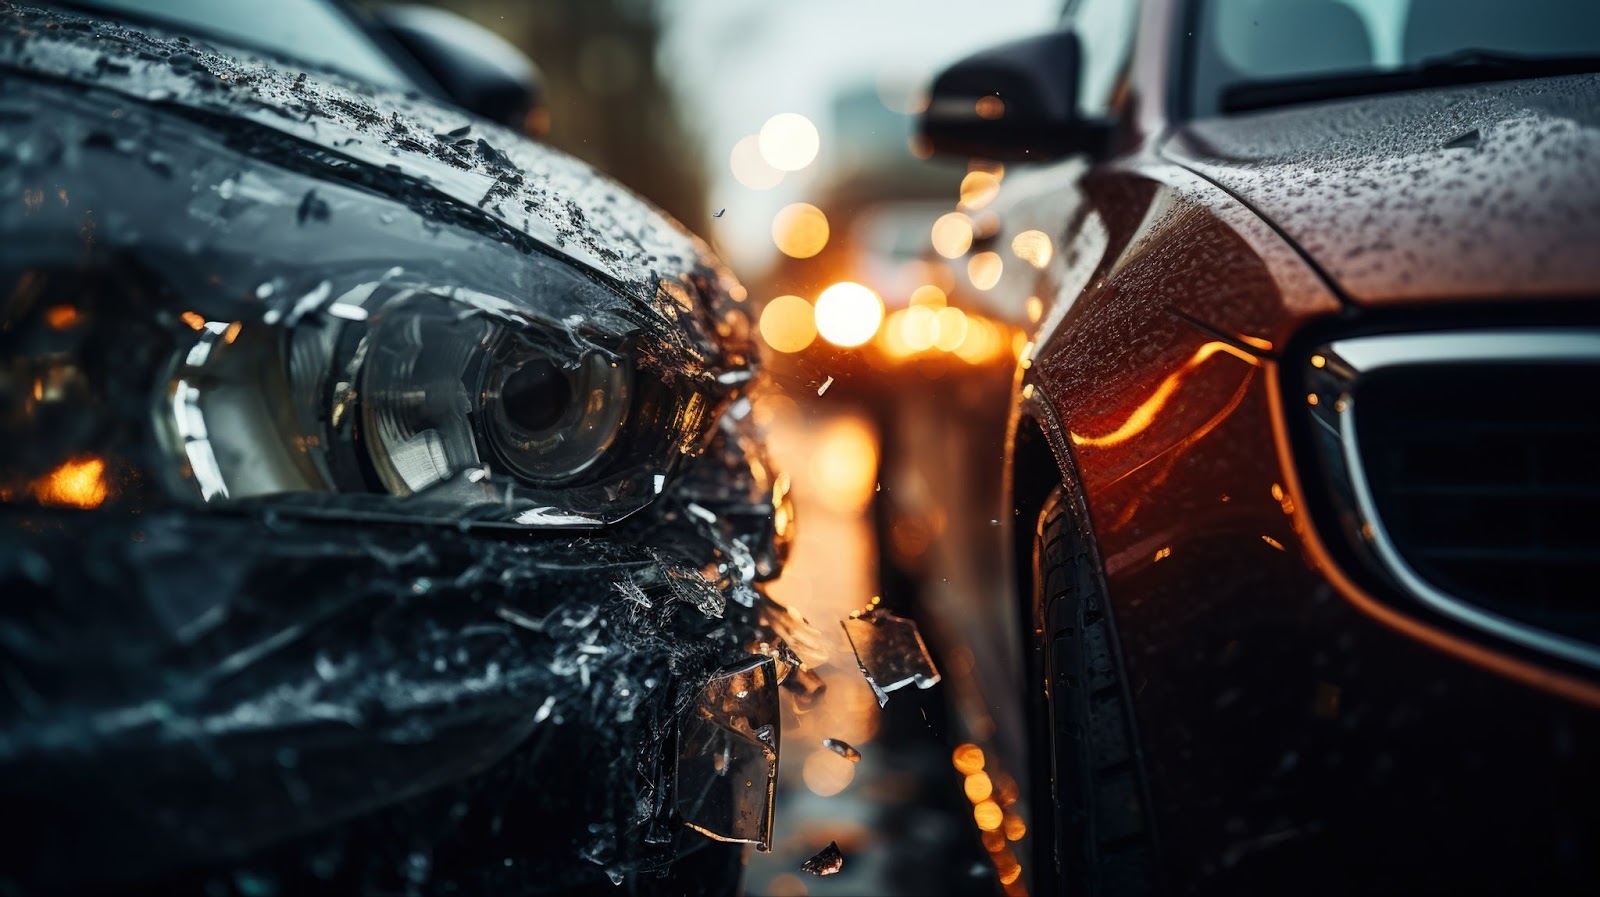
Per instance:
x=827, y=861
x=890, y=652
x=728, y=759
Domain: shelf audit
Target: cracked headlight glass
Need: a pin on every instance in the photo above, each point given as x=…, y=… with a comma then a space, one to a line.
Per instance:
x=401, y=397
x=377, y=395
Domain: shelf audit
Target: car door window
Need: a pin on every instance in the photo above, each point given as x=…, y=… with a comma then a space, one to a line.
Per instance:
x=1105, y=29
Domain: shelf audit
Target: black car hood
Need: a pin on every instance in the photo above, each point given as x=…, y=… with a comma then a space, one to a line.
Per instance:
x=1479, y=191
x=486, y=172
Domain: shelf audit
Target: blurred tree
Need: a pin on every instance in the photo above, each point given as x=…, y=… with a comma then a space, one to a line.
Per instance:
x=608, y=103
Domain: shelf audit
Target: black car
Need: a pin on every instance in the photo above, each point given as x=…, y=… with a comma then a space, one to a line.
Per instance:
x=1300, y=466
x=380, y=508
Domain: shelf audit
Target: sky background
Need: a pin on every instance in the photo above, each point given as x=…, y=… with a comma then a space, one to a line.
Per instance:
x=734, y=63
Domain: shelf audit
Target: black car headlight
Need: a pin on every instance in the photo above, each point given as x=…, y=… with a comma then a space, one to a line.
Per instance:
x=286, y=328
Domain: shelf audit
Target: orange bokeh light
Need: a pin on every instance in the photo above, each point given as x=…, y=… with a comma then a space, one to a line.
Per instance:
x=968, y=759
x=988, y=815
x=952, y=235
x=827, y=773
x=787, y=324
x=79, y=483
x=844, y=465
x=978, y=786
x=1033, y=247
x=848, y=314
x=800, y=230
x=978, y=189
x=984, y=270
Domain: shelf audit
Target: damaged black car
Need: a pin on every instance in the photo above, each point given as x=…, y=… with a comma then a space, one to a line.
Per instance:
x=382, y=508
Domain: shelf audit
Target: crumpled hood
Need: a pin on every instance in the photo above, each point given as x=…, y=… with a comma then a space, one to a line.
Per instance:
x=1480, y=191
x=559, y=202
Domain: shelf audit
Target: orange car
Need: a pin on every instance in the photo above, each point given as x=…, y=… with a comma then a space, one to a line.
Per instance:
x=1303, y=452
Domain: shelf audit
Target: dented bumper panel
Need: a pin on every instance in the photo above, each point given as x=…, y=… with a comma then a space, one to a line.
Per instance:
x=182, y=692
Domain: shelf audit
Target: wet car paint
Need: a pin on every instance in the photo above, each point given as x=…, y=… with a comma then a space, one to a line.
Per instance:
x=1303, y=726
x=1474, y=192
x=1283, y=726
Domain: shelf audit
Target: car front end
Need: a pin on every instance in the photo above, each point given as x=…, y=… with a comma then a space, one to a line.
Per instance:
x=382, y=507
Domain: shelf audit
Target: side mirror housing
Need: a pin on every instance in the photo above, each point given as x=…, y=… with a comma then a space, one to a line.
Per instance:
x=1015, y=102
x=476, y=69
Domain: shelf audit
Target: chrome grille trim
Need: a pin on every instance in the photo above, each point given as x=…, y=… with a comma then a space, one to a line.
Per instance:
x=1344, y=364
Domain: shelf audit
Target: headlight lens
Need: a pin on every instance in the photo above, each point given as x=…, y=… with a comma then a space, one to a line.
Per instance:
x=547, y=423
x=386, y=395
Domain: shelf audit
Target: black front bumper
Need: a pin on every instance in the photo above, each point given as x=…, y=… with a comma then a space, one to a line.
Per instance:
x=366, y=706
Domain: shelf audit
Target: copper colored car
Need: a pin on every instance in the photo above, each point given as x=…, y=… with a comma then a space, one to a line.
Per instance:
x=1303, y=468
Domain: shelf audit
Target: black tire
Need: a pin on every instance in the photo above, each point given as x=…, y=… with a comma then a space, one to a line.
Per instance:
x=1086, y=765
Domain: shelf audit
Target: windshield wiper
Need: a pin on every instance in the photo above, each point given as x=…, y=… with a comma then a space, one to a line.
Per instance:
x=1463, y=67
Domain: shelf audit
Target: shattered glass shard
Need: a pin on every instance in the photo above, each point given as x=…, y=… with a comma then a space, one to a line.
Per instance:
x=828, y=861
x=691, y=587
x=890, y=652
x=728, y=756
x=633, y=597
x=782, y=655
x=843, y=749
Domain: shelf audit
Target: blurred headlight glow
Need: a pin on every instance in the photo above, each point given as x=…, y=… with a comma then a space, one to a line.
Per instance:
x=848, y=314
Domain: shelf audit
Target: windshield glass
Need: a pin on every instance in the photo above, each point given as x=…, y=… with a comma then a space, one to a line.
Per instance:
x=1249, y=43
x=311, y=31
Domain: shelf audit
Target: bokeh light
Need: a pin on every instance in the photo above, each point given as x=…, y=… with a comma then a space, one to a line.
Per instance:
x=929, y=296
x=952, y=235
x=978, y=189
x=788, y=324
x=77, y=483
x=749, y=168
x=919, y=327
x=984, y=270
x=1033, y=247
x=800, y=230
x=844, y=468
x=988, y=815
x=827, y=773
x=789, y=141
x=984, y=341
x=968, y=759
x=848, y=314
x=952, y=328
x=978, y=786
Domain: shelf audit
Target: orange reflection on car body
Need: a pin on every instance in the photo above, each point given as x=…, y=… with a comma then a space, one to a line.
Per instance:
x=78, y=483
x=1146, y=412
x=61, y=317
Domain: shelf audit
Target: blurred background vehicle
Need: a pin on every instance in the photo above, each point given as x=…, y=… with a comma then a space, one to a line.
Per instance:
x=1268, y=650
